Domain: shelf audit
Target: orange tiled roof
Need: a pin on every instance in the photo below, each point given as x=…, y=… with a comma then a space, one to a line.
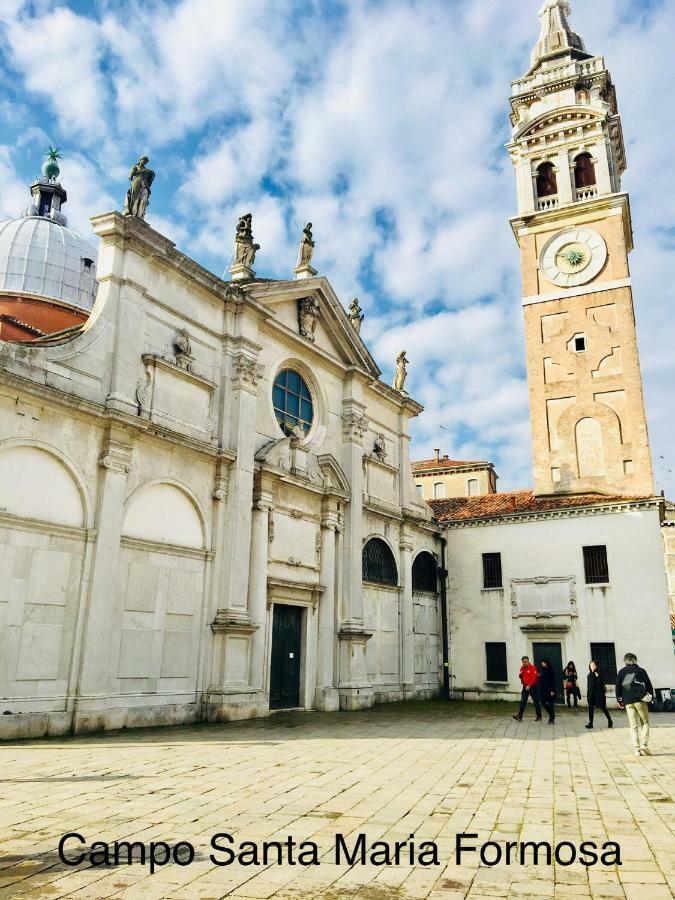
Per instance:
x=421, y=465
x=488, y=506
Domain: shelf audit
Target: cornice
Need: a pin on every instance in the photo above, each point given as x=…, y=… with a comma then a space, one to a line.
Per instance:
x=576, y=213
x=572, y=512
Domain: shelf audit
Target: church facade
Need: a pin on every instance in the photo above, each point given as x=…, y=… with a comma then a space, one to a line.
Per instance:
x=207, y=504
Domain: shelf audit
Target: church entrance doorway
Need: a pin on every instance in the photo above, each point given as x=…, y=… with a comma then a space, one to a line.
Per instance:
x=552, y=651
x=285, y=667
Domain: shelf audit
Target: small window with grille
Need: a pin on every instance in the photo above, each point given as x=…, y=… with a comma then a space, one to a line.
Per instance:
x=495, y=662
x=424, y=573
x=378, y=563
x=595, y=565
x=605, y=657
x=492, y=570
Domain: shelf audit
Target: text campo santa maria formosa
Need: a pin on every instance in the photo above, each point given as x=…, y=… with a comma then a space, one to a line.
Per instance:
x=225, y=850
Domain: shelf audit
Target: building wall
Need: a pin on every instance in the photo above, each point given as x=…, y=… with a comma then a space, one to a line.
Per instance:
x=543, y=570
x=669, y=547
x=456, y=483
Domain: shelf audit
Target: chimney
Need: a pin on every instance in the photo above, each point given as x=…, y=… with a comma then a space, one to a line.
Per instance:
x=437, y=451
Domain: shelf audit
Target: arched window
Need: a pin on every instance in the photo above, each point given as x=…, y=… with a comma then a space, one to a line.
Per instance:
x=584, y=171
x=546, y=180
x=439, y=490
x=378, y=563
x=292, y=402
x=473, y=487
x=424, y=574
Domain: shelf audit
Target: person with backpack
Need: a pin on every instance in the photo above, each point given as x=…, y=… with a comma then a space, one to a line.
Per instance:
x=634, y=691
x=571, y=690
x=547, y=689
x=528, y=678
x=595, y=693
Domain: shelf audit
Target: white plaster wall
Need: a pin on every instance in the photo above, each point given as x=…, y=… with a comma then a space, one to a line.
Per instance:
x=631, y=612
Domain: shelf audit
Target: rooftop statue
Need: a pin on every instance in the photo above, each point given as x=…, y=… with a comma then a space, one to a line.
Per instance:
x=401, y=372
x=244, y=248
x=356, y=316
x=138, y=195
x=306, y=246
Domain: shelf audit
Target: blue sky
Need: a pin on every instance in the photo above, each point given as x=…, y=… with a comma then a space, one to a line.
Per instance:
x=384, y=124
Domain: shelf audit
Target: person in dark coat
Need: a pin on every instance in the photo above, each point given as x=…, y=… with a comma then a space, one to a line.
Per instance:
x=547, y=689
x=572, y=691
x=595, y=694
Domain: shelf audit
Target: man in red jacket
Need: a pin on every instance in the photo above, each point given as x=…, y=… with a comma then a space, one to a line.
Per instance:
x=529, y=678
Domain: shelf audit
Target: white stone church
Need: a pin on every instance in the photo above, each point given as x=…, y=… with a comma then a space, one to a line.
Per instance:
x=207, y=507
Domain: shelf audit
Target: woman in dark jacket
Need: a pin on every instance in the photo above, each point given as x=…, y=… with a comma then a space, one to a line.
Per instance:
x=596, y=694
x=547, y=689
x=571, y=688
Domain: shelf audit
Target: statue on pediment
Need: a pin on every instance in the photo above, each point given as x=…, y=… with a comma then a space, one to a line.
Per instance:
x=306, y=246
x=138, y=195
x=355, y=314
x=401, y=372
x=244, y=247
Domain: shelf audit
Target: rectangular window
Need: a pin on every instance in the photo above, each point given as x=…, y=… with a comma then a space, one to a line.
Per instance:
x=492, y=570
x=420, y=489
x=605, y=657
x=495, y=662
x=595, y=565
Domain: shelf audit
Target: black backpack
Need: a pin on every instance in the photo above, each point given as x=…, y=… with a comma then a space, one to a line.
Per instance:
x=632, y=689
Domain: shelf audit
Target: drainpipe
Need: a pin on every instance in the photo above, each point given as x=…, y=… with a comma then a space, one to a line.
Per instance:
x=443, y=577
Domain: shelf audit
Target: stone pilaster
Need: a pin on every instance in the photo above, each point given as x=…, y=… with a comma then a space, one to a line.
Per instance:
x=102, y=608
x=257, y=587
x=407, y=617
x=355, y=692
x=326, y=692
x=230, y=693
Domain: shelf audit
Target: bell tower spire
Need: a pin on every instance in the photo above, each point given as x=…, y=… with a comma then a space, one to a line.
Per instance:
x=589, y=431
x=557, y=38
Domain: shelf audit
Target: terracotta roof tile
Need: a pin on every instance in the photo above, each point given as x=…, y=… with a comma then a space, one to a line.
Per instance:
x=486, y=506
x=422, y=465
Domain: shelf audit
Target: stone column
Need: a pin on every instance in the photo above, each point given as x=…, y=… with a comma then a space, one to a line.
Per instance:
x=94, y=683
x=407, y=635
x=354, y=690
x=257, y=589
x=326, y=692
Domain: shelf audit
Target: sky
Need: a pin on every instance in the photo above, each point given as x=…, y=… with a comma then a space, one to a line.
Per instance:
x=381, y=121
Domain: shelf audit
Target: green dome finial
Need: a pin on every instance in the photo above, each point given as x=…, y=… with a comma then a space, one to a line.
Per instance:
x=50, y=168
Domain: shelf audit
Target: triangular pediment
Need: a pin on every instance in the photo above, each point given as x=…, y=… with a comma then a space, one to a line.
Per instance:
x=333, y=332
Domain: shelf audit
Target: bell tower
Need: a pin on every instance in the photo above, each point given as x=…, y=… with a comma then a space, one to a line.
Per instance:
x=589, y=431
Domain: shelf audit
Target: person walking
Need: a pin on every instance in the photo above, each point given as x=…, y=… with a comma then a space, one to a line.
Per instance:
x=529, y=678
x=634, y=691
x=547, y=690
x=595, y=694
x=571, y=690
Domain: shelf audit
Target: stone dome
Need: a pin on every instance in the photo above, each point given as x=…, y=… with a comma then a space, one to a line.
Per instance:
x=41, y=257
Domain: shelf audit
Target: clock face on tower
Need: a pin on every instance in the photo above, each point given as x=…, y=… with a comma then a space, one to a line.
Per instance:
x=573, y=257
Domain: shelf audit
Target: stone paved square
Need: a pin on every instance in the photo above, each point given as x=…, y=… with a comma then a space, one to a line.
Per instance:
x=428, y=769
